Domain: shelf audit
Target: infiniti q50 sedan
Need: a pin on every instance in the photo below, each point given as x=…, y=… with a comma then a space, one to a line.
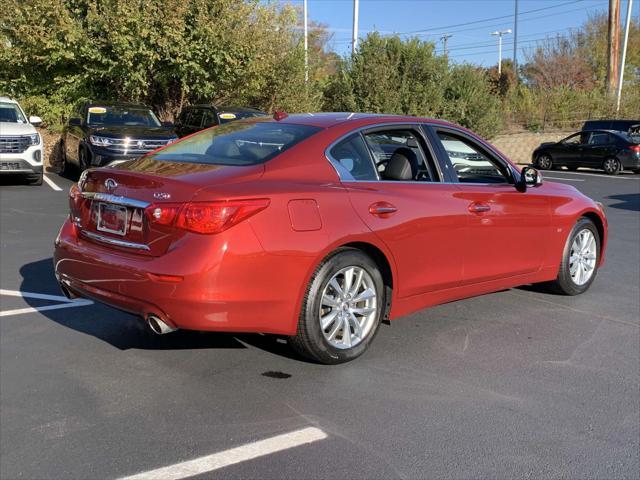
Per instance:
x=319, y=227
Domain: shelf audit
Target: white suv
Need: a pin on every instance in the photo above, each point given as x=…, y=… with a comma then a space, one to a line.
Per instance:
x=21, y=147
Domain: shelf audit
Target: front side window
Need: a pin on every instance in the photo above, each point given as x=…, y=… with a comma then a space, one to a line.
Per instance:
x=209, y=119
x=575, y=139
x=195, y=118
x=121, y=116
x=469, y=161
x=11, y=113
x=398, y=156
x=351, y=159
x=247, y=142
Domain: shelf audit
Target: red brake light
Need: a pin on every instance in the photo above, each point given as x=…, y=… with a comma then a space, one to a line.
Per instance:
x=205, y=217
x=635, y=148
x=215, y=217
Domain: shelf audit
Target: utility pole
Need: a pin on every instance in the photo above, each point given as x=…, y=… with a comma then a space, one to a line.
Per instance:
x=613, y=46
x=444, y=39
x=515, y=43
x=500, y=33
x=354, y=39
x=624, y=54
x=306, y=43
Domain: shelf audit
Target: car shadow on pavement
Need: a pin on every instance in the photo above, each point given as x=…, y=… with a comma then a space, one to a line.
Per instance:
x=125, y=331
x=628, y=201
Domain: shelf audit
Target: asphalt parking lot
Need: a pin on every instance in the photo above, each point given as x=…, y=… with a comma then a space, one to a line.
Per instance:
x=516, y=384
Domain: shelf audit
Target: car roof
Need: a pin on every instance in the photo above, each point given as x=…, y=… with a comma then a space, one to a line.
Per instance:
x=224, y=108
x=8, y=100
x=331, y=119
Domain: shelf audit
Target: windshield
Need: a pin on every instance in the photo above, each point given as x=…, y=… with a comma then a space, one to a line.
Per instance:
x=246, y=142
x=229, y=115
x=118, y=116
x=11, y=113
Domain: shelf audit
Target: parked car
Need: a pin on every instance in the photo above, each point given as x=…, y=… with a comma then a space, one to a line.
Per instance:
x=99, y=133
x=21, y=146
x=198, y=117
x=624, y=126
x=318, y=227
x=610, y=151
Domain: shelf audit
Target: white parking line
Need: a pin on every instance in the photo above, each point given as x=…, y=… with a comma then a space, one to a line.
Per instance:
x=215, y=461
x=66, y=303
x=597, y=175
x=51, y=184
x=564, y=179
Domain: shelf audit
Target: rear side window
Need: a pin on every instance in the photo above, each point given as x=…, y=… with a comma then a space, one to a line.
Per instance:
x=599, y=139
x=237, y=143
x=351, y=158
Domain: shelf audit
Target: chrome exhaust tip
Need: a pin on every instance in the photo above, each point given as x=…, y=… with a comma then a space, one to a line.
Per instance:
x=159, y=327
x=66, y=292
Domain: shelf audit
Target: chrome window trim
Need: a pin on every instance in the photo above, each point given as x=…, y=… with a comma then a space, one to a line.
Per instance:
x=115, y=199
x=114, y=241
x=359, y=131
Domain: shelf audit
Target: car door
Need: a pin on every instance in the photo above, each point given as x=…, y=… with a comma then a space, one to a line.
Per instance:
x=569, y=151
x=600, y=146
x=505, y=231
x=420, y=219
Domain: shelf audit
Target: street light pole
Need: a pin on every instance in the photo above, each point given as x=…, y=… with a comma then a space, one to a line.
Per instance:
x=624, y=54
x=444, y=39
x=306, y=44
x=515, y=43
x=499, y=34
x=354, y=40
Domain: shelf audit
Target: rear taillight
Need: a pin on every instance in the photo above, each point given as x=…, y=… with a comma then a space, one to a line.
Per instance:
x=635, y=148
x=205, y=217
x=75, y=204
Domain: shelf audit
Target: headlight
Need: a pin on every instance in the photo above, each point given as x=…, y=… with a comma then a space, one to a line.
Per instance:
x=100, y=141
x=34, y=139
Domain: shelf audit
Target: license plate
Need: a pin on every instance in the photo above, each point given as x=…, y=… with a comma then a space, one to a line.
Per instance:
x=112, y=218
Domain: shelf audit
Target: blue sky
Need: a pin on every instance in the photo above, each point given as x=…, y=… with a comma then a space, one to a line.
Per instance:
x=472, y=42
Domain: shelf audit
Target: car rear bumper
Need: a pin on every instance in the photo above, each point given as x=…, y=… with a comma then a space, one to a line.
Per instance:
x=226, y=283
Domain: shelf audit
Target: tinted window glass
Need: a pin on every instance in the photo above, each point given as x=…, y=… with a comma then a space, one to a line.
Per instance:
x=469, y=162
x=237, y=143
x=209, y=119
x=575, y=139
x=230, y=114
x=9, y=112
x=398, y=156
x=97, y=115
x=351, y=159
x=599, y=139
x=195, y=118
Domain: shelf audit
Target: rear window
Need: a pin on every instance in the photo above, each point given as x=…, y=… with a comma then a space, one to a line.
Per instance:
x=237, y=143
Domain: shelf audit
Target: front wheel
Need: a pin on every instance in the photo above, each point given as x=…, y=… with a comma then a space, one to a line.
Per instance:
x=544, y=162
x=342, y=308
x=612, y=166
x=579, y=260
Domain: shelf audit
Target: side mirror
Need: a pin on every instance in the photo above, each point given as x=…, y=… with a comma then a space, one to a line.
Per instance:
x=75, y=122
x=529, y=177
x=35, y=121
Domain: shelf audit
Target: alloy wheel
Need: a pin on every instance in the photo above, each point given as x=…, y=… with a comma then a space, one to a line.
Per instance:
x=349, y=307
x=582, y=259
x=611, y=166
x=544, y=162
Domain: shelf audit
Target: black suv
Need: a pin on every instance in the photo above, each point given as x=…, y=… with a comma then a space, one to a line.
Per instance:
x=198, y=117
x=626, y=126
x=98, y=133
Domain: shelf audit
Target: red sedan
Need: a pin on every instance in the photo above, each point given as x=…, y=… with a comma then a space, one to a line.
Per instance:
x=319, y=227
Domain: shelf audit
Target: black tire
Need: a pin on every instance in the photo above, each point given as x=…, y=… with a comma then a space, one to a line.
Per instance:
x=564, y=283
x=36, y=179
x=612, y=166
x=544, y=162
x=83, y=159
x=310, y=340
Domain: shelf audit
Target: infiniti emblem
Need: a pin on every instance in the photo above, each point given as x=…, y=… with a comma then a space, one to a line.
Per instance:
x=111, y=184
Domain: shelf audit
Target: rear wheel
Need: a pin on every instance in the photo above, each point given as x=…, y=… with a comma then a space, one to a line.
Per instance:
x=544, y=162
x=579, y=260
x=612, y=166
x=342, y=308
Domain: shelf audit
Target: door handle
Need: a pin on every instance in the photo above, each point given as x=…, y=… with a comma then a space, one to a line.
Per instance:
x=382, y=209
x=479, y=207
